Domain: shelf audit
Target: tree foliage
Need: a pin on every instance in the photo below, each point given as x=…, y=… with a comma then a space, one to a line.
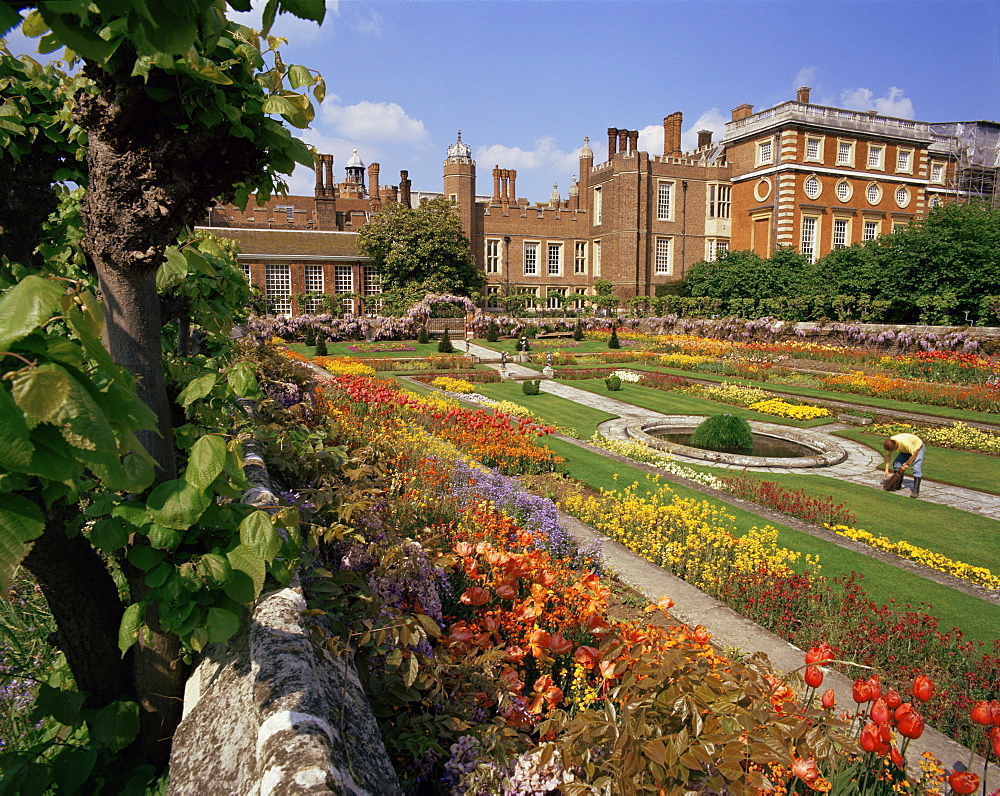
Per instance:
x=422, y=246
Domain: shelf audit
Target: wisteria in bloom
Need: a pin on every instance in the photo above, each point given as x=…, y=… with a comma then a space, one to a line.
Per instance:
x=409, y=579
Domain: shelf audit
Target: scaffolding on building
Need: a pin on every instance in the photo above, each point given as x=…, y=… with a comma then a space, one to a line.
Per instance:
x=975, y=149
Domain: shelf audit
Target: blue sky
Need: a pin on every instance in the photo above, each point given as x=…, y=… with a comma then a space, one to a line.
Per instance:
x=526, y=80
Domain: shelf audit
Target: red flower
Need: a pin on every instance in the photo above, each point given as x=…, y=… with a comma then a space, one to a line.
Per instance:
x=829, y=699
x=981, y=713
x=874, y=687
x=871, y=739
x=813, y=676
x=880, y=712
x=892, y=699
x=910, y=724
x=995, y=711
x=587, y=656
x=896, y=757
x=805, y=769
x=475, y=596
x=559, y=644
x=861, y=691
x=820, y=655
x=923, y=688
x=995, y=741
x=963, y=781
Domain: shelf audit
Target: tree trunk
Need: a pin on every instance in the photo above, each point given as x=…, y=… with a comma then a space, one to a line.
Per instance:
x=84, y=601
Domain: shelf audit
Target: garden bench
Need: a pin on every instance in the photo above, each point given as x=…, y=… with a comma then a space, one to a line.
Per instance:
x=544, y=335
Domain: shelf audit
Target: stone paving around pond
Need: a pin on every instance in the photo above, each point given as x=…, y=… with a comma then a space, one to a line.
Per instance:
x=862, y=466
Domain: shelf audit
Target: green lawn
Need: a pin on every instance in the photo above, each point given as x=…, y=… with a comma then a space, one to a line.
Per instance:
x=883, y=582
x=342, y=349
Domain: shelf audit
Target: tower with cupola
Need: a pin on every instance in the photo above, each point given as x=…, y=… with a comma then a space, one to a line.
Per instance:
x=460, y=188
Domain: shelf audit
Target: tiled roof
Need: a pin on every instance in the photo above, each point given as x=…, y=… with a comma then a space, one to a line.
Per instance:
x=291, y=243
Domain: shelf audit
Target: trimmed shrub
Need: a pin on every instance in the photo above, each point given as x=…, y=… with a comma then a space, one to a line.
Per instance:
x=614, y=383
x=422, y=336
x=492, y=332
x=613, y=340
x=444, y=345
x=529, y=387
x=578, y=331
x=723, y=433
x=320, y=345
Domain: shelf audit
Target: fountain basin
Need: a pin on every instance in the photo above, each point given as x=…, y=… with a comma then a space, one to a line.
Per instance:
x=822, y=450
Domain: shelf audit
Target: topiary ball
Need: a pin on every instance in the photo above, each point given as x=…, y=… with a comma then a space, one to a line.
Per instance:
x=723, y=433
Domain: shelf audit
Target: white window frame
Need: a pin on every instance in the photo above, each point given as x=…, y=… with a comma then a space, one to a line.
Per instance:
x=597, y=258
x=904, y=161
x=278, y=287
x=765, y=152
x=493, y=255
x=817, y=156
x=288, y=210
x=554, y=291
x=664, y=200
x=663, y=256
x=935, y=201
x=598, y=206
x=812, y=186
x=550, y=250
x=530, y=258
x=492, y=293
x=870, y=229
x=876, y=157
x=873, y=193
x=902, y=196
x=373, y=281
x=845, y=152
x=245, y=268
x=714, y=247
x=809, y=237
x=313, y=282
x=841, y=233
x=848, y=193
x=719, y=202
x=580, y=257
x=937, y=172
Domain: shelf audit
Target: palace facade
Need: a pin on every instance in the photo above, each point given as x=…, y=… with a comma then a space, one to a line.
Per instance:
x=809, y=177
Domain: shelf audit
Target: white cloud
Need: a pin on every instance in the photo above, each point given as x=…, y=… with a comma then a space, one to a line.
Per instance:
x=544, y=156
x=805, y=77
x=370, y=25
x=373, y=121
x=650, y=140
x=864, y=99
x=709, y=120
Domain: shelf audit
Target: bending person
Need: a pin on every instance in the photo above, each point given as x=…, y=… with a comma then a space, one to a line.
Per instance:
x=909, y=450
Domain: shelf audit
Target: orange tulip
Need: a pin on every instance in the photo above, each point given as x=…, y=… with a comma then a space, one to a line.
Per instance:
x=587, y=656
x=559, y=644
x=813, y=676
x=475, y=596
x=805, y=769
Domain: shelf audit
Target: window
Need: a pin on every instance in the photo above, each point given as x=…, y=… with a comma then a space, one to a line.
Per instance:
x=492, y=256
x=278, y=288
x=373, y=281
x=870, y=230
x=580, y=257
x=904, y=161
x=935, y=201
x=661, y=262
x=554, y=259
x=765, y=152
x=597, y=258
x=715, y=248
x=902, y=196
x=719, y=203
x=531, y=259
x=814, y=149
x=873, y=193
x=937, y=172
x=875, y=155
x=493, y=296
x=553, y=297
x=597, y=206
x=808, y=247
x=313, y=284
x=245, y=268
x=343, y=279
x=840, y=229
x=845, y=153
x=812, y=186
x=664, y=194
x=844, y=190
x=288, y=210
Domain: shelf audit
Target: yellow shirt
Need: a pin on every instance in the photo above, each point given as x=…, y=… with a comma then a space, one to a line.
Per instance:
x=908, y=443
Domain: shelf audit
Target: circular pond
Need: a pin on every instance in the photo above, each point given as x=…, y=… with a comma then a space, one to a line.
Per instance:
x=774, y=445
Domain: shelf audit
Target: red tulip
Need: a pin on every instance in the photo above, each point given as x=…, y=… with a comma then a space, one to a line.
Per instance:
x=880, y=712
x=910, y=724
x=981, y=713
x=995, y=741
x=475, y=596
x=874, y=687
x=892, y=699
x=813, y=676
x=871, y=739
x=963, y=782
x=861, y=691
x=995, y=711
x=923, y=688
x=896, y=757
x=820, y=655
x=829, y=698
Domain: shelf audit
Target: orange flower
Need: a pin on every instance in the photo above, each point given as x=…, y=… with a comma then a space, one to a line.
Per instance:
x=538, y=643
x=805, y=769
x=559, y=644
x=505, y=590
x=475, y=596
x=516, y=654
x=587, y=656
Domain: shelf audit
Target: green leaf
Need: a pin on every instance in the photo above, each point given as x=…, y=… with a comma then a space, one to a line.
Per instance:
x=299, y=76
x=25, y=306
x=281, y=105
x=72, y=767
x=197, y=389
x=158, y=575
x=258, y=533
x=42, y=392
x=145, y=557
x=243, y=381
x=240, y=587
x=207, y=460
x=9, y=18
x=63, y=706
x=128, y=630
x=305, y=9
x=215, y=568
x=20, y=522
x=172, y=271
x=222, y=624
x=109, y=534
x=177, y=504
x=244, y=560
x=165, y=538
x=138, y=472
x=115, y=726
x=15, y=445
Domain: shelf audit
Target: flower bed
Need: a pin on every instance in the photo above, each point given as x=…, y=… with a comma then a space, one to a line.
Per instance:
x=381, y=346
x=977, y=398
x=958, y=435
x=782, y=408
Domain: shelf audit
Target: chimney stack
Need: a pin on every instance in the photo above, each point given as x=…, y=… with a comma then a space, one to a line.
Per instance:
x=373, y=188
x=704, y=138
x=672, y=135
x=802, y=95
x=633, y=141
x=612, y=142
x=742, y=111
x=404, y=188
